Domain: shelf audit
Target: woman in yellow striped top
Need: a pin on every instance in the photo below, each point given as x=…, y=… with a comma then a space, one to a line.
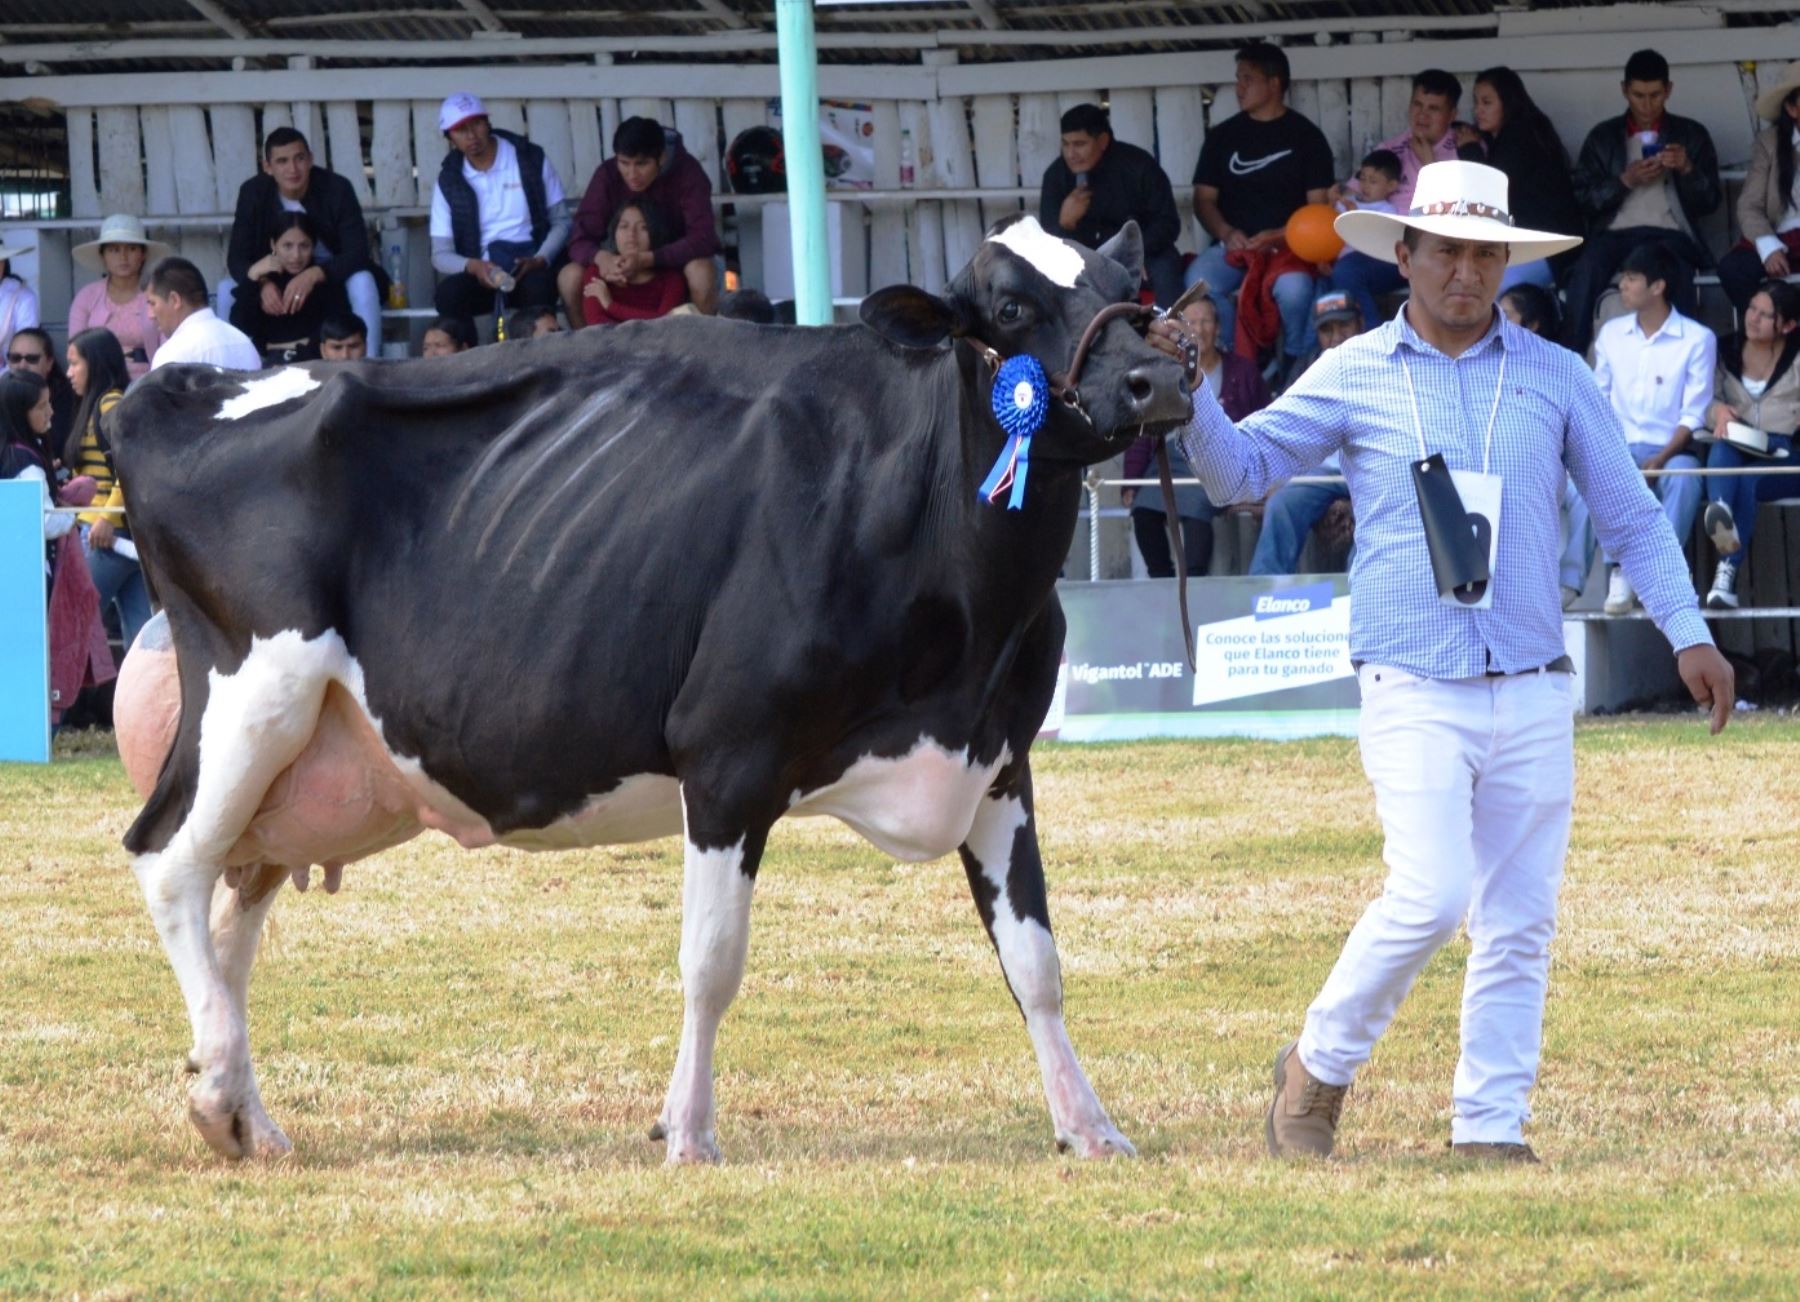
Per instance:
x=96, y=366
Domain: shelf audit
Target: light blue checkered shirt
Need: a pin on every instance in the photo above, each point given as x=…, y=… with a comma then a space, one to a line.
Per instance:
x=1353, y=400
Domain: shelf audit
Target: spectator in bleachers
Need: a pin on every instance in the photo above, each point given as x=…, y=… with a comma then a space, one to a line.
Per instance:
x=1099, y=183
x=18, y=303
x=1427, y=139
x=292, y=334
x=750, y=305
x=343, y=338
x=649, y=162
x=116, y=301
x=1240, y=390
x=448, y=335
x=1757, y=384
x=1533, y=308
x=1255, y=169
x=1656, y=367
x=1513, y=134
x=498, y=216
x=533, y=323
x=1377, y=178
x=31, y=350
x=646, y=290
x=98, y=371
x=176, y=293
x=1294, y=509
x=1766, y=208
x=1649, y=176
x=290, y=182
x=24, y=425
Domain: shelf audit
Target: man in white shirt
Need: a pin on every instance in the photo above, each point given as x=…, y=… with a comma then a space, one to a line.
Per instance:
x=499, y=218
x=1656, y=368
x=176, y=295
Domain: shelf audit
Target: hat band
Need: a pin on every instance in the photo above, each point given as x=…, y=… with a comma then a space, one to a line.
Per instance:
x=1462, y=208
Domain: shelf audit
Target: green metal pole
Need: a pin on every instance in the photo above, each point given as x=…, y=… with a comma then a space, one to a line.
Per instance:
x=805, y=161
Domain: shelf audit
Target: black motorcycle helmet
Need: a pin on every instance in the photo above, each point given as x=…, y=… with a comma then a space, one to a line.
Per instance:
x=755, y=162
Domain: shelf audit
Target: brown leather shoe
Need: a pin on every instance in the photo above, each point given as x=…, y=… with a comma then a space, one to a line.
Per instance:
x=1479, y=1152
x=1303, y=1115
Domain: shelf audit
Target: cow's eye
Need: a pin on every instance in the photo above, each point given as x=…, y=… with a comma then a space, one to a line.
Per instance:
x=1010, y=312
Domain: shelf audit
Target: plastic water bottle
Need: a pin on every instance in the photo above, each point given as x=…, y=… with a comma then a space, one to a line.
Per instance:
x=396, y=269
x=908, y=160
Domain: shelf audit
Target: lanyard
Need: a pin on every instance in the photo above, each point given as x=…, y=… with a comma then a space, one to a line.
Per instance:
x=1487, y=446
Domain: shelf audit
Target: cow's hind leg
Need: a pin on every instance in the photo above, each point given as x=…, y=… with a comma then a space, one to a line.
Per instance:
x=255, y=723
x=239, y=910
x=1007, y=877
x=718, y=877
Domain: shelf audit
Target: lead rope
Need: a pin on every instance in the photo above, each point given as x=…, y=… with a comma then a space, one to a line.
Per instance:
x=1179, y=552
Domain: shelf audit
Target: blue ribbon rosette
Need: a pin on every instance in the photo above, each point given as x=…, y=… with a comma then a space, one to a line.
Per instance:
x=1021, y=398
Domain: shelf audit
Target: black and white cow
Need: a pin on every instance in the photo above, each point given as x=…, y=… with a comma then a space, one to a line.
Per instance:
x=681, y=577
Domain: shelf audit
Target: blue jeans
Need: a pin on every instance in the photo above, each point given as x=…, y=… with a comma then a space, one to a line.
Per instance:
x=1578, y=539
x=1743, y=493
x=1288, y=518
x=1363, y=278
x=1680, y=494
x=121, y=580
x=1293, y=297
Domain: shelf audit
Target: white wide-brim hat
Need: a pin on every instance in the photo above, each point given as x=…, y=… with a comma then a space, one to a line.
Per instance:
x=120, y=228
x=1463, y=201
x=11, y=251
x=1768, y=104
x=1747, y=438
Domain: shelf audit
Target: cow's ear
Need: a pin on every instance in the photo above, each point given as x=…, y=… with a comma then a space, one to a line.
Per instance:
x=908, y=316
x=1127, y=249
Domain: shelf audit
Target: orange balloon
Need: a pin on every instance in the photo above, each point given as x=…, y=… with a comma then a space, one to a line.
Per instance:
x=1311, y=235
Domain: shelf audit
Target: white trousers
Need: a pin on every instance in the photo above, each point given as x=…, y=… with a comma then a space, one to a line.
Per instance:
x=1474, y=781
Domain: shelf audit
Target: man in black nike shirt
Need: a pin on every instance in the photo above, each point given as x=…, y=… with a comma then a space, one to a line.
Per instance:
x=1255, y=169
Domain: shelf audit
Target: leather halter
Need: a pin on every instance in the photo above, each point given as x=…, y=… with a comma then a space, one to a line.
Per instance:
x=1067, y=388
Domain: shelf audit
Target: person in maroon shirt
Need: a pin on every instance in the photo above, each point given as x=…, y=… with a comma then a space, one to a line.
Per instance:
x=650, y=162
x=639, y=229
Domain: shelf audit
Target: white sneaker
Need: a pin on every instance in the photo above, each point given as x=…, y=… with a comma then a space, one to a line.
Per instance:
x=1722, y=529
x=1724, y=588
x=1619, y=596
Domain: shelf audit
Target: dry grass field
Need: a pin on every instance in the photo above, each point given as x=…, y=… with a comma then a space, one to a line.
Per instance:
x=467, y=1050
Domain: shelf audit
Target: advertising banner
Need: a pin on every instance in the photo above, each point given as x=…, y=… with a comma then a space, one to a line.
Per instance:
x=1273, y=660
x=24, y=631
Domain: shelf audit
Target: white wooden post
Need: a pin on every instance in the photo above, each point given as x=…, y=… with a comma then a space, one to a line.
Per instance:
x=84, y=191
x=996, y=153
x=236, y=151
x=887, y=222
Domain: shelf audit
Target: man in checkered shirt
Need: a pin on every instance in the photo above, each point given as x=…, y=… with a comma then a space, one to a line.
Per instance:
x=1466, y=727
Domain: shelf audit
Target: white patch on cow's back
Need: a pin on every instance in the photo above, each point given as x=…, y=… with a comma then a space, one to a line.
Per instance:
x=916, y=807
x=268, y=391
x=1058, y=261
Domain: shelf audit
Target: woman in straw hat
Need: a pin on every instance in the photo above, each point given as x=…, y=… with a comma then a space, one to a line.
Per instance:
x=116, y=301
x=1454, y=428
x=18, y=304
x=1765, y=207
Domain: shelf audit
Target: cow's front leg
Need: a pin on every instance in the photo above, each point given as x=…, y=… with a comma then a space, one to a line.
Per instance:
x=718, y=878
x=1007, y=877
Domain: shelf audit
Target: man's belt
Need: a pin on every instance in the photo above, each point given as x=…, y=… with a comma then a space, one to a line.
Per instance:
x=1561, y=665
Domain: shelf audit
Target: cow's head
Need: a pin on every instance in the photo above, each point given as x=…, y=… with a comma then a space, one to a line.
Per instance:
x=1028, y=292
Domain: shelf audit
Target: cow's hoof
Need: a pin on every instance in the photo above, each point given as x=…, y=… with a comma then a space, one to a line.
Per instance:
x=1103, y=1141
x=658, y=1131
x=232, y=1120
x=692, y=1149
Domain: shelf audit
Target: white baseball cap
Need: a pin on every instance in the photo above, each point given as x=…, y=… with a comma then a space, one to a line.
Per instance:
x=458, y=109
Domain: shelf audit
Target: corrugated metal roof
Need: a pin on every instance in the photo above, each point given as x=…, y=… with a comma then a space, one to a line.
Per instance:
x=37, y=21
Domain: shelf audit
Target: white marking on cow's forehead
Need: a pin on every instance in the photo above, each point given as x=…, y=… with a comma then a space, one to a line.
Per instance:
x=1058, y=262
x=268, y=391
